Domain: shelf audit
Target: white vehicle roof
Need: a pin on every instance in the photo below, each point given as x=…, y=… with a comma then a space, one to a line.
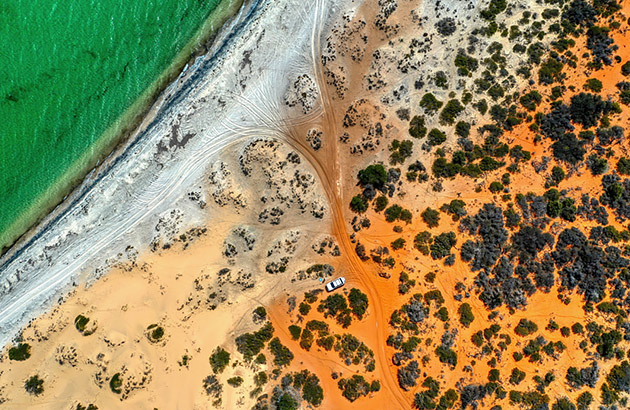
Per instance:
x=337, y=283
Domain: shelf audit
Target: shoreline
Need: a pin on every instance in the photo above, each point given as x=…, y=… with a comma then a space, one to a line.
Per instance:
x=82, y=241
x=118, y=135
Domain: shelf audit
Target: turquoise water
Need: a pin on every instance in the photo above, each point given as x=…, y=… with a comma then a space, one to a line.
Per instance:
x=69, y=70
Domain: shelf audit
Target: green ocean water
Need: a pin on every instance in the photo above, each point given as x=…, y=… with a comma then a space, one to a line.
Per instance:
x=71, y=73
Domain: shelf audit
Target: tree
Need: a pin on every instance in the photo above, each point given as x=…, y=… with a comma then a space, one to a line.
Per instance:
x=587, y=109
x=466, y=316
x=219, y=359
x=34, y=385
x=436, y=137
x=380, y=203
x=392, y=213
x=358, y=204
x=452, y=109
x=623, y=166
x=417, y=129
x=374, y=175
x=20, y=352
x=287, y=402
x=430, y=103
x=431, y=217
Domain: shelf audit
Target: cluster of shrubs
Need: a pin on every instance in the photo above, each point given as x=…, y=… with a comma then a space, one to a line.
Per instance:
x=286, y=396
x=250, y=344
x=375, y=178
x=585, y=266
x=356, y=386
x=428, y=399
x=343, y=309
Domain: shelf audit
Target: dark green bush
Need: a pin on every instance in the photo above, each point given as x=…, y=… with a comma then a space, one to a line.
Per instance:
x=235, y=381
x=358, y=302
x=115, y=383
x=436, y=137
x=374, y=175
x=525, y=327
x=219, y=359
x=431, y=217
x=593, y=84
x=442, y=245
x=417, y=128
x=358, y=204
x=20, y=352
x=451, y=110
x=295, y=331
x=466, y=316
x=380, y=203
x=430, y=104
x=34, y=385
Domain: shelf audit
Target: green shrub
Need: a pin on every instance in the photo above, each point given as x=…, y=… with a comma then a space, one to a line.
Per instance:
x=625, y=68
x=557, y=175
x=374, y=175
x=525, y=327
x=286, y=402
x=295, y=331
x=115, y=383
x=455, y=208
x=396, y=212
x=80, y=322
x=358, y=204
x=431, y=217
x=20, y=352
x=235, y=381
x=358, y=302
x=260, y=313
x=436, y=137
x=550, y=71
x=593, y=84
x=400, y=151
x=155, y=333
x=495, y=187
x=462, y=129
x=380, y=203
x=623, y=166
x=422, y=241
x=466, y=316
x=304, y=308
x=465, y=64
x=34, y=385
x=307, y=339
x=531, y=100
x=282, y=355
x=584, y=400
x=260, y=378
x=494, y=8
x=496, y=92
x=442, y=314
x=219, y=359
x=442, y=244
x=417, y=129
x=430, y=104
x=451, y=110
x=446, y=355
x=354, y=387
x=250, y=344
x=517, y=376
x=398, y=244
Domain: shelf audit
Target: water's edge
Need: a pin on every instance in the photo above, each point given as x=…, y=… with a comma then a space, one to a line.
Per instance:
x=174, y=87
